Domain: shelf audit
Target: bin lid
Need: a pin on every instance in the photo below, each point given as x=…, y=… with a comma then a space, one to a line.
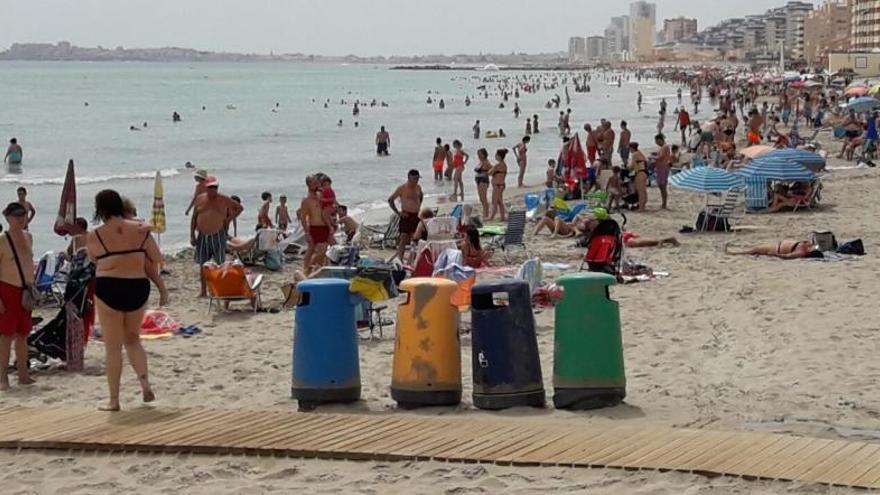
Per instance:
x=587, y=279
x=323, y=285
x=508, y=285
x=414, y=283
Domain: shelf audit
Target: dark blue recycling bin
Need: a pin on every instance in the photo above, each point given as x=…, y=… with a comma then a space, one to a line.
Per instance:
x=506, y=363
x=325, y=344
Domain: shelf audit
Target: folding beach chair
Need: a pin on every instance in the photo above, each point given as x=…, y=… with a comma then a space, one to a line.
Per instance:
x=386, y=239
x=514, y=235
x=229, y=283
x=730, y=211
x=50, y=279
x=811, y=200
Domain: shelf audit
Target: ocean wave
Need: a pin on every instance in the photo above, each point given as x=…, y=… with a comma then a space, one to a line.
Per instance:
x=43, y=181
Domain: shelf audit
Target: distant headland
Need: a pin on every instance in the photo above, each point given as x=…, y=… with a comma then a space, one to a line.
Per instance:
x=65, y=51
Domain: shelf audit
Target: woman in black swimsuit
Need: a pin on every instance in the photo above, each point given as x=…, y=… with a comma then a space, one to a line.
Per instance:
x=127, y=258
x=482, y=179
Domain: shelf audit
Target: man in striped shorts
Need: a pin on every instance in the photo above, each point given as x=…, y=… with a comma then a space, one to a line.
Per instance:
x=211, y=216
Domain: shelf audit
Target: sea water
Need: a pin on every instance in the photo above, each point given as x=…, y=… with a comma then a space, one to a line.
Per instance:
x=84, y=111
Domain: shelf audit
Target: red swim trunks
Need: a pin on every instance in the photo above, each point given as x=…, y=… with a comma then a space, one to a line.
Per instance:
x=320, y=234
x=15, y=321
x=438, y=165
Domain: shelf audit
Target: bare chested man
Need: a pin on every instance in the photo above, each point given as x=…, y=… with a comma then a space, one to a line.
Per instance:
x=411, y=196
x=311, y=216
x=15, y=274
x=212, y=213
x=662, y=167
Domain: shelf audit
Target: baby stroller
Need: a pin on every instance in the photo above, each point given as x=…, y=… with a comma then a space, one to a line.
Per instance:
x=64, y=337
x=605, y=248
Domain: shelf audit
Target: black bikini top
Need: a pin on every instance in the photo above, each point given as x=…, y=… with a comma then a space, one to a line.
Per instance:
x=108, y=253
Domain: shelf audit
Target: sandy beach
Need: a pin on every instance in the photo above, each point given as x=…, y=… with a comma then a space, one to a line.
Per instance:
x=730, y=343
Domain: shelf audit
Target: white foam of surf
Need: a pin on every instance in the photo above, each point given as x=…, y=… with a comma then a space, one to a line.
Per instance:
x=42, y=181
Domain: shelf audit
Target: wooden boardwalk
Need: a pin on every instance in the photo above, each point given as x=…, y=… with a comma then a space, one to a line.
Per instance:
x=461, y=439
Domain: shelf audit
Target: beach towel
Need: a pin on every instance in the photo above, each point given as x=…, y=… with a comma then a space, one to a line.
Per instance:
x=375, y=283
x=492, y=230
x=448, y=258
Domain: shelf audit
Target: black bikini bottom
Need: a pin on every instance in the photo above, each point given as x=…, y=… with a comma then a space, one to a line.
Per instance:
x=123, y=294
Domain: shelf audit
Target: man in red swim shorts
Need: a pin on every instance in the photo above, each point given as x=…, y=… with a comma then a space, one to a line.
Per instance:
x=16, y=272
x=311, y=216
x=411, y=196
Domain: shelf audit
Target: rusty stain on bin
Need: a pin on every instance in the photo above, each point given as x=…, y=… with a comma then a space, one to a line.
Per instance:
x=424, y=295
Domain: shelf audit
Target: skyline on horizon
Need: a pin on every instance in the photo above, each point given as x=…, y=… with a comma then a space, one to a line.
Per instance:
x=297, y=26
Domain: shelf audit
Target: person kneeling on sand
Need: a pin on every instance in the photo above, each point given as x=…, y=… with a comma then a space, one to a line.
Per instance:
x=787, y=250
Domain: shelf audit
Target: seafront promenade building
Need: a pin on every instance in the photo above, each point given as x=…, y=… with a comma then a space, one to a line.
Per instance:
x=642, y=30
x=679, y=29
x=865, y=25
x=827, y=29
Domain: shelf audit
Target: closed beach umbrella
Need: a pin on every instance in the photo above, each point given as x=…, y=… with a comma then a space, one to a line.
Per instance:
x=753, y=152
x=65, y=222
x=807, y=159
x=157, y=223
x=863, y=104
x=777, y=169
x=706, y=180
x=857, y=91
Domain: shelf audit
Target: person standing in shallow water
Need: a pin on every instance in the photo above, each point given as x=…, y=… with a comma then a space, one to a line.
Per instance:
x=126, y=258
x=14, y=154
x=383, y=142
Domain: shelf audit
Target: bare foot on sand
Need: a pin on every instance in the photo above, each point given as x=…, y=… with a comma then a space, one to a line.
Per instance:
x=26, y=380
x=111, y=407
x=149, y=396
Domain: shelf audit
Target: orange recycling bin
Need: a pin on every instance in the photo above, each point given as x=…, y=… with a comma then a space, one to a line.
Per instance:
x=427, y=350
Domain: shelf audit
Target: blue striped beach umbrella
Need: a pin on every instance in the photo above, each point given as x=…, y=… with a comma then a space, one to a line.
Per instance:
x=863, y=104
x=706, y=180
x=807, y=159
x=777, y=169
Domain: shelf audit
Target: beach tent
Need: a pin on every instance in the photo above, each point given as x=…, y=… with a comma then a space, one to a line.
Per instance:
x=777, y=169
x=65, y=222
x=863, y=104
x=706, y=180
x=807, y=159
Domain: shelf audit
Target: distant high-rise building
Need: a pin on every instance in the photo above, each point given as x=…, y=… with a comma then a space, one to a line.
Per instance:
x=617, y=36
x=577, y=49
x=795, y=12
x=642, y=29
x=865, y=25
x=678, y=29
x=595, y=48
x=827, y=29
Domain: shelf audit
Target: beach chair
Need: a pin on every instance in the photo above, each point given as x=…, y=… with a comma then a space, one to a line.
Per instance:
x=568, y=216
x=756, y=193
x=811, y=200
x=514, y=235
x=731, y=210
x=50, y=279
x=228, y=283
x=441, y=228
x=386, y=239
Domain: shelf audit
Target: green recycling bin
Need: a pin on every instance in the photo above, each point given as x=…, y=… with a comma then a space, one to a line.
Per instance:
x=588, y=349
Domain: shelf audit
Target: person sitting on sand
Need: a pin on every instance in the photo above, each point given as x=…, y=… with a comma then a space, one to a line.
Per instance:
x=787, y=250
x=557, y=226
x=783, y=198
x=472, y=252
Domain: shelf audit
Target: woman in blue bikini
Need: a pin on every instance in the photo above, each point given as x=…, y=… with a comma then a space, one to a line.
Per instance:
x=127, y=258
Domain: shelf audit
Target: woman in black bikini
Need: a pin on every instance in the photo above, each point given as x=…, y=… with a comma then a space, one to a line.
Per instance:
x=127, y=258
x=499, y=177
x=482, y=179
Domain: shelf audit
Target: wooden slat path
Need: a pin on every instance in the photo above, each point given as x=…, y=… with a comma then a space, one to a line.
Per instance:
x=461, y=439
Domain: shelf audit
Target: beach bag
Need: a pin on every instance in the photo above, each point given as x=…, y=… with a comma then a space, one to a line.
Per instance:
x=274, y=261
x=824, y=241
x=855, y=247
x=711, y=223
x=29, y=293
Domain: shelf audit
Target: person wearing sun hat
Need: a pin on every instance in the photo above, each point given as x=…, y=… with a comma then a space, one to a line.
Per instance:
x=200, y=176
x=16, y=275
x=211, y=217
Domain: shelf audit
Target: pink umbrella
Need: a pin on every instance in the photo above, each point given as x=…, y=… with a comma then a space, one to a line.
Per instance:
x=857, y=91
x=756, y=151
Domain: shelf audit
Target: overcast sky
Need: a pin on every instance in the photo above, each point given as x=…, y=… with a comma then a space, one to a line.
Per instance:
x=336, y=27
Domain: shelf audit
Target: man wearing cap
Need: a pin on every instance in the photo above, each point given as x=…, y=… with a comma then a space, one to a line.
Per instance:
x=16, y=273
x=411, y=196
x=200, y=176
x=212, y=214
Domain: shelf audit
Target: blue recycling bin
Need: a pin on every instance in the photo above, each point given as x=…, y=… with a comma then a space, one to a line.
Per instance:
x=325, y=344
x=506, y=362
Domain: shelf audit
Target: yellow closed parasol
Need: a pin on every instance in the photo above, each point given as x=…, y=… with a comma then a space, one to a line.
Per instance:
x=157, y=222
